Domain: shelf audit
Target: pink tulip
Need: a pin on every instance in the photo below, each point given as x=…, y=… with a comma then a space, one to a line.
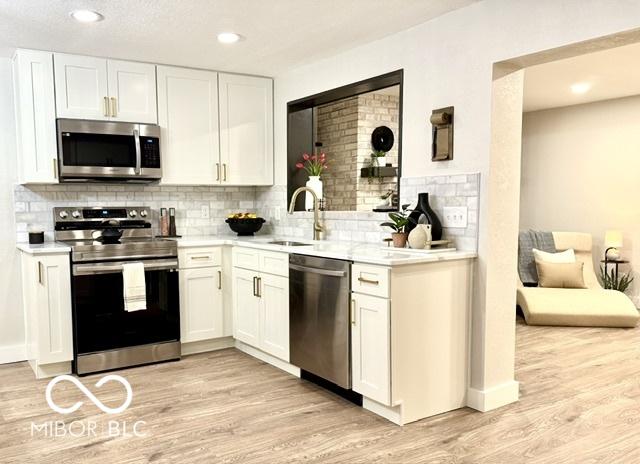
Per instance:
x=299, y=165
x=314, y=157
x=305, y=157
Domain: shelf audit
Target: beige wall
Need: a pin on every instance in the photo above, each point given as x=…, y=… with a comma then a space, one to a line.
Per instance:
x=11, y=315
x=581, y=172
x=458, y=71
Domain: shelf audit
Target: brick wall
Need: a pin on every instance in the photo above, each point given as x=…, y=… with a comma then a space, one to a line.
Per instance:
x=375, y=109
x=337, y=129
x=345, y=128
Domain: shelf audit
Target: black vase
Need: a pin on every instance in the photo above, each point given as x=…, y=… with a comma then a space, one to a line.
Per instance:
x=423, y=214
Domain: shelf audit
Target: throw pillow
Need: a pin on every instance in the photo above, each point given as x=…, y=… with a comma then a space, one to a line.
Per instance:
x=567, y=256
x=560, y=275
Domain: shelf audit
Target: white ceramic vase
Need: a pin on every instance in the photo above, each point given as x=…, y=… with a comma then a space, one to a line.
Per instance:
x=315, y=184
x=382, y=161
x=420, y=237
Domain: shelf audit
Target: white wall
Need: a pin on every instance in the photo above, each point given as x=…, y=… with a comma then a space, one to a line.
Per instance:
x=448, y=61
x=11, y=315
x=581, y=172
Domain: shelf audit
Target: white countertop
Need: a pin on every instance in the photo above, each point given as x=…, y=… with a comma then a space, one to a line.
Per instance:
x=46, y=248
x=352, y=251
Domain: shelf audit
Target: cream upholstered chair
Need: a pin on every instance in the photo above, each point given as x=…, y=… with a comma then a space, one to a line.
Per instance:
x=590, y=307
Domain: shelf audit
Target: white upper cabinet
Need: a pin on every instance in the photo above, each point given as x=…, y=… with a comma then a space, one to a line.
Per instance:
x=81, y=87
x=132, y=91
x=188, y=118
x=35, y=116
x=106, y=90
x=246, y=129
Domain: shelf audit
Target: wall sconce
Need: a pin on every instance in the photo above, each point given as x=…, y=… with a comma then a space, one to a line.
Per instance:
x=442, y=134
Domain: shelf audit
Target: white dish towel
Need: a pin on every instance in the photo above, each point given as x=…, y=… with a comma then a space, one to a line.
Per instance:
x=134, y=288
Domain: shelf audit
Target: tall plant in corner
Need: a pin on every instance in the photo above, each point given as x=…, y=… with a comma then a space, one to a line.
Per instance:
x=611, y=280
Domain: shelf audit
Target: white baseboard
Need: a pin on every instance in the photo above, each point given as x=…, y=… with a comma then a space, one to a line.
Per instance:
x=392, y=414
x=494, y=397
x=262, y=356
x=13, y=353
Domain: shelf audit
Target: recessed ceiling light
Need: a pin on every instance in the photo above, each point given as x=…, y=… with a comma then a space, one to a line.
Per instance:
x=228, y=37
x=580, y=87
x=86, y=16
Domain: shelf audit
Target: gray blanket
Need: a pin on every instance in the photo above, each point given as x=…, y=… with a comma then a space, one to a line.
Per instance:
x=527, y=241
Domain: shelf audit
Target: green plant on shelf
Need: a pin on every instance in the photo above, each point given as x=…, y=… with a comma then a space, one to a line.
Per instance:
x=611, y=280
x=375, y=163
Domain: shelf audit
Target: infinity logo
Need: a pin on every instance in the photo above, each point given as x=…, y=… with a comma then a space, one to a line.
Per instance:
x=88, y=394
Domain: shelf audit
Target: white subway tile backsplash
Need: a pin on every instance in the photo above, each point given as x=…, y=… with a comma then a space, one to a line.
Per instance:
x=34, y=205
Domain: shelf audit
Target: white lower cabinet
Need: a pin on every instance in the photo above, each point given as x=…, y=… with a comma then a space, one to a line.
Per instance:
x=201, y=305
x=46, y=284
x=371, y=347
x=261, y=303
x=274, y=315
x=246, y=305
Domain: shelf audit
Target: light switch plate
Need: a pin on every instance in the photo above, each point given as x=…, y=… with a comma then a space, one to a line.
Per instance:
x=454, y=217
x=204, y=212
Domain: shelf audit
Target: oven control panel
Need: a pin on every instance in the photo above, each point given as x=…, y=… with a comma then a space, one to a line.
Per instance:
x=82, y=213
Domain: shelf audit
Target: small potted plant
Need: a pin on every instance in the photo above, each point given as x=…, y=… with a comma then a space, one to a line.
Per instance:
x=399, y=220
x=314, y=165
x=378, y=160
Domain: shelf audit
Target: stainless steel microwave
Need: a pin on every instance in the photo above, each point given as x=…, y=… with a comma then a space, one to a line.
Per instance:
x=90, y=151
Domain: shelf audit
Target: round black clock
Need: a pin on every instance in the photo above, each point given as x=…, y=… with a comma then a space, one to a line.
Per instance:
x=382, y=139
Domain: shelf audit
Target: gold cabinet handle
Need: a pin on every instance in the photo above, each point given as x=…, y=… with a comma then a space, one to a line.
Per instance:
x=105, y=106
x=199, y=257
x=353, y=311
x=255, y=280
x=114, y=107
x=368, y=281
x=219, y=280
x=55, y=168
x=259, y=295
x=218, y=171
x=40, y=273
x=224, y=172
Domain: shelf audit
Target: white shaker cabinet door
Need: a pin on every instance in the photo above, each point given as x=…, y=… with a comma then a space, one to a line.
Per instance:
x=246, y=130
x=201, y=311
x=55, y=336
x=274, y=315
x=132, y=92
x=246, y=307
x=35, y=117
x=81, y=87
x=188, y=118
x=371, y=347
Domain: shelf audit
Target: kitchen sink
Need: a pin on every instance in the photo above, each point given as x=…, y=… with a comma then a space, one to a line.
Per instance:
x=288, y=243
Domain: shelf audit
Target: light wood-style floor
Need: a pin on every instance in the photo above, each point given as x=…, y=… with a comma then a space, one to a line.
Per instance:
x=580, y=403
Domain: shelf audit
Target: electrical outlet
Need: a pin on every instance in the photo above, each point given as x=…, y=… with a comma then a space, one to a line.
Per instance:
x=454, y=217
x=204, y=212
x=276, y=213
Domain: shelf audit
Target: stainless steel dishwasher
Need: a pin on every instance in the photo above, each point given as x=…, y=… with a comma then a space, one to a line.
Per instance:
x=319, y=298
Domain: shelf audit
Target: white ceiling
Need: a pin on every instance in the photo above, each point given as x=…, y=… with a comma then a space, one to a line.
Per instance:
x=612, y=73
x=279, y=34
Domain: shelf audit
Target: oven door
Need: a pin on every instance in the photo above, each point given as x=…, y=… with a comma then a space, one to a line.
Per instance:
x=100, y=321
x=103, y=150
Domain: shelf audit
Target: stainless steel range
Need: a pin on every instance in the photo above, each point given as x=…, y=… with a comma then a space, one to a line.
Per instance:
x=106, y=336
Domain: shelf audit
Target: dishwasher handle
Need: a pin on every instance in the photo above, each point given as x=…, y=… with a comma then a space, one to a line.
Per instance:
x=315, y=270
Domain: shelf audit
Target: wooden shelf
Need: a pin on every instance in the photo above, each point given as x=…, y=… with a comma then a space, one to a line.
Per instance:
x=383, y=171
